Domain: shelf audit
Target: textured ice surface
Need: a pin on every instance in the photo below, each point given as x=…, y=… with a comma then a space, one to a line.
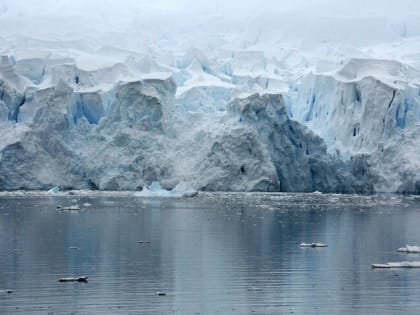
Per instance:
x=182, y=189
x=277, y=102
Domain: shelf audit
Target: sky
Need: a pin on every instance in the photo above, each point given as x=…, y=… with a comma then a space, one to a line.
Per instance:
x=313, y=21
x=387, y=8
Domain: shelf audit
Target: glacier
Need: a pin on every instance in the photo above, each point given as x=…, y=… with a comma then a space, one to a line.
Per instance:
x=214, y=105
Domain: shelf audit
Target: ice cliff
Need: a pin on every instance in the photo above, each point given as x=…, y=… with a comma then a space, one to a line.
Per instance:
x=125, y=138
x=369, y=107
x=260, y=107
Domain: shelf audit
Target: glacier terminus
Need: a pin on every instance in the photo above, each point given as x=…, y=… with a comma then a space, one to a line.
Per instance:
x=241, y=104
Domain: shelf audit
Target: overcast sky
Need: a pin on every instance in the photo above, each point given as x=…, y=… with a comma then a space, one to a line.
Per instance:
x=320, y=7
x=257, y=20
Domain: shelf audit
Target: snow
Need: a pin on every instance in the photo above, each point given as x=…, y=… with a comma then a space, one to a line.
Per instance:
x=284, y=100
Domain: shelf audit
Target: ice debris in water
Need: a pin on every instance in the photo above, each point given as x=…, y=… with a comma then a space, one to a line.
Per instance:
x=54, y=191
x=74, y=279
x=6, y=291
x=313, y=245
x=409, y=249
x=183, y=189
x=69, y=208
x=403, y=264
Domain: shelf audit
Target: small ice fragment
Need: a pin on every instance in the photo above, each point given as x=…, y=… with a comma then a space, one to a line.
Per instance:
x=69, y=208
x=183, y=189
x=313, y=245
x=403, y=264
x=73, y=248
x=75, y=279
x=155, y=187
x=381, y=266
x=154, y=190
x=409, y=249
x=54, y=191
x=87, y=204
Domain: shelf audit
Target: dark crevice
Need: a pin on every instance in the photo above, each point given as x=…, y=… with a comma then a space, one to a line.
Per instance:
x=393, y=97
x=43, y=72
x=358, y=96
x=92, y=185
x=13, y=116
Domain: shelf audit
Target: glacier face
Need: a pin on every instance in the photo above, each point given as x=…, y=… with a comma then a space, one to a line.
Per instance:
x=218, y=106
x=78, y=141
x=369, y=107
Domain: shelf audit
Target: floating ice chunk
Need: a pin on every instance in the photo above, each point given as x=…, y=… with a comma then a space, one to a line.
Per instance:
x=403, y=264
x=409, y=249
x=154, y=190
x=6, y=291
x=183, y=189
x=69, y=208
x=313, y=245
x=155, y=187
x=74, y=279
x=54, y=191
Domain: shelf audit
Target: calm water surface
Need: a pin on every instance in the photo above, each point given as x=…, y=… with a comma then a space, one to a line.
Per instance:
x=213, y=254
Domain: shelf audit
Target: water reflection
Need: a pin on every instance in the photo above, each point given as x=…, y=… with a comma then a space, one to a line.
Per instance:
x=234, y=254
